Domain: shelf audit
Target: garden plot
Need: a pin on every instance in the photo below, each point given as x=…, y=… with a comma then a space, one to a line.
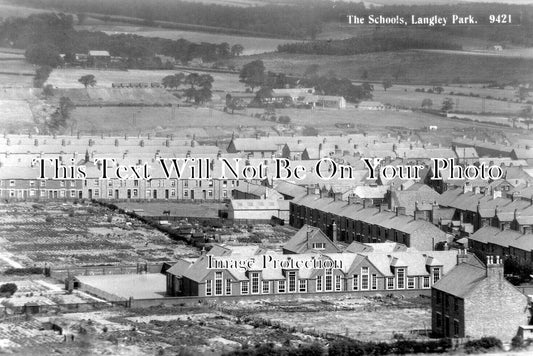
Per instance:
x=76, y=235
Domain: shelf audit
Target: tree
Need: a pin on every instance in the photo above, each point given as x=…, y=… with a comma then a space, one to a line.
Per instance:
x=173, y=81
x=367, y=89
x=87, y=80
x=234, y=104
x=398, y=72
x=262, y=95
x=41, y=76
x=522, y=93
x=59, y=119
x=44, y=54
x=253, y=74
x=427, y=103
x=387, y=83
x=438, y=89
x=236, y=50
x=8, y=289
x=364, y=74
x=447, y=105
x=200, y=87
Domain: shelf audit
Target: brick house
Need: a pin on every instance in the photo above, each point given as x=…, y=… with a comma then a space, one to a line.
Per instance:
x=474, y=300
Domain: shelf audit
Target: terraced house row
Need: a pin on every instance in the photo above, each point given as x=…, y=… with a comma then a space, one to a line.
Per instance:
x=348, y=221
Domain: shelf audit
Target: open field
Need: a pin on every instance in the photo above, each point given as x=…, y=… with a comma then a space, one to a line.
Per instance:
x=7, y=10
x=406, y=96
x=188, y=121
x=419, y=67
x=15, y=111
x=79, y=234
x=68, y=78
x=252, y=45
x=119, y=96
x=125, y=286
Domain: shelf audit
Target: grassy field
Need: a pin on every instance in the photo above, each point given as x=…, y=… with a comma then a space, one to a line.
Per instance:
x=68, y=78
x=252, y=45
x=406, y=96
x=147, y=119
x=419, y=67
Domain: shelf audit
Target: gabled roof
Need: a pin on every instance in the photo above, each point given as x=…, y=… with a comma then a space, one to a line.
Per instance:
x=303, y=240
x=463, y=279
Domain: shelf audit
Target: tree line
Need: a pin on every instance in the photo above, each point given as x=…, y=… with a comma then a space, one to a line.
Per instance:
x=366, y=44
x=45, y=36
x=303, y=19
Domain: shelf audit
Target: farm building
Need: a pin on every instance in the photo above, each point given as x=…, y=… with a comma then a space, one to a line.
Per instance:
x=98, y=58
x=310, y=239
x=258, y=210
x=475, y=300
x=325, y=101
x=370, y=105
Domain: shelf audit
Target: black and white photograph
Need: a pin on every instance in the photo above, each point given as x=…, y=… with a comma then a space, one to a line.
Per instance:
x=266, y=177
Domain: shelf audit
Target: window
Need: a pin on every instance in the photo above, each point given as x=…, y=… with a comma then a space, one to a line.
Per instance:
x=43, y=193
x=96, y=192
x=218, y=283
x=455, y=327
x=148, y=193
x=355, y=283
x=173, y=192
x=303, y=285
x=400, y=278
x=390, y=283
x=446, y=302
x=224, y=194
x=319, y=245
x=43, y=183
x=374, y=282
x=438, y=321
x=425, y=282
x=456, y=304
x=110, y=193
x=72, y=193
x=186, y=193
x=135, y=192
x=224, y=183
x=109, y=183
x=62, y=183
x=210, y=193
x=208, y=287
x=11, y=183
x=135, y=183
x=410, y=282
x=291, y=276
x=329, y=276
x=62, y=193
x=436, y=274
x=338, y=285
x=319, y=283
x=244, y=287
x=172, y=183
x=438, y=297
x=228, y=286
x=32, y=183
x=266, y=287
x=281, y=286
x=32, y=193
x=255, y=282
x=364, y=278
x=186, y=184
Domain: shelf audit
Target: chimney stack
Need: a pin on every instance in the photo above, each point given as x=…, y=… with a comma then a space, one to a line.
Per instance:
x=462, y=256
x=494, y=269
x=334, y=227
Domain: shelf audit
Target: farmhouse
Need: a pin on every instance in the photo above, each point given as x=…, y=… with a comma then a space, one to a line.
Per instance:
x=475, y=300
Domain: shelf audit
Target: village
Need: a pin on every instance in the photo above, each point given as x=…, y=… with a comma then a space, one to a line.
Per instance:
x=168, y=190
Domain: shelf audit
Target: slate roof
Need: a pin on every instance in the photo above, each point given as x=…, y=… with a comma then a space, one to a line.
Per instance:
x=463, y=279
x=303, y=241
